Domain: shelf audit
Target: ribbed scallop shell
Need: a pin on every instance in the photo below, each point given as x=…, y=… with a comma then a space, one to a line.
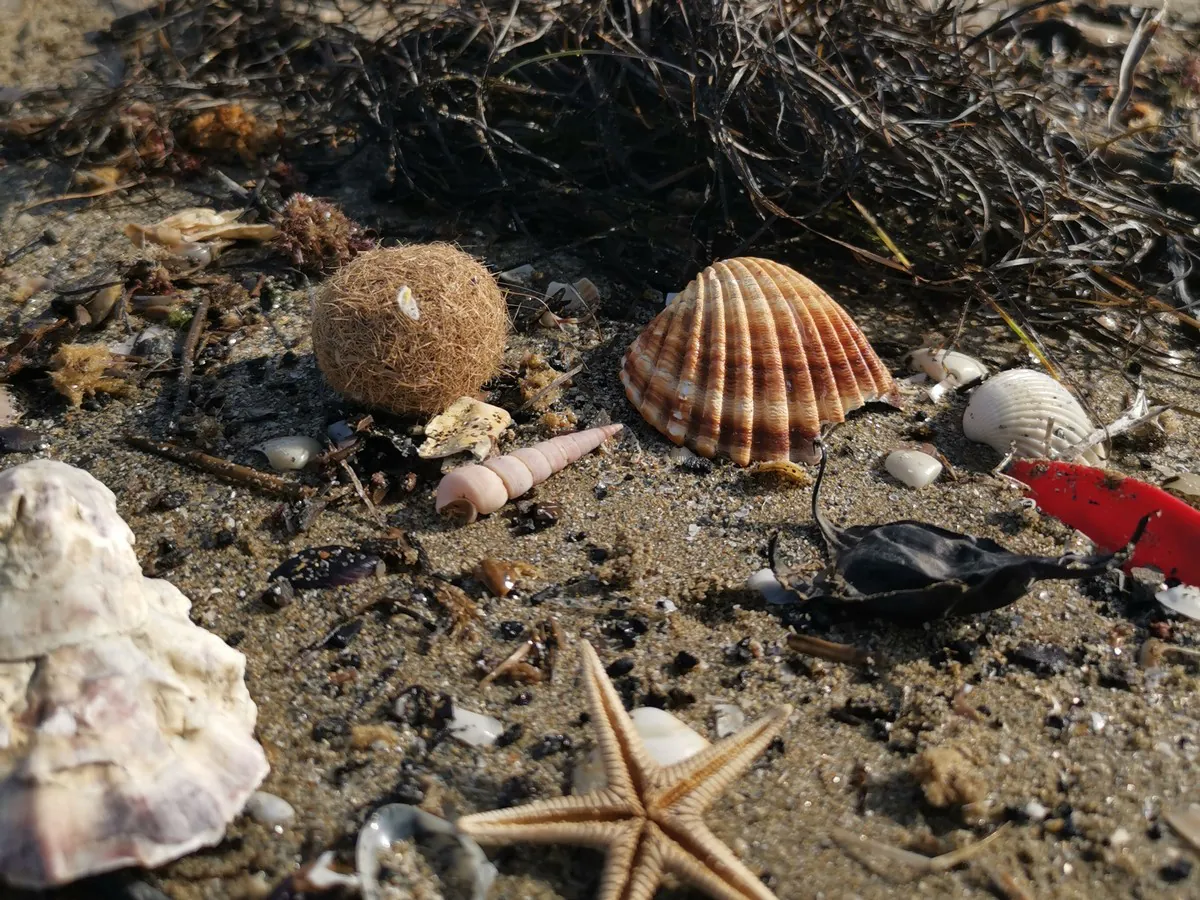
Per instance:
x=749, y=362
x=1017, y=406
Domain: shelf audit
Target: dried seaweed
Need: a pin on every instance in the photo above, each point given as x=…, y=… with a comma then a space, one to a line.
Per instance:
x=951, y=158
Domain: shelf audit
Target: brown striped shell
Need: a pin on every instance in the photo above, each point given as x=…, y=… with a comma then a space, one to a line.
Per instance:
x=749, y=362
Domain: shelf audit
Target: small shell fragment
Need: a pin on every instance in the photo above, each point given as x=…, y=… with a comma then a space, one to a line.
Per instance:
x=913, y=468
x=473, y=728
x=749, y=362
x=408, y=303
x=1183, y=599
x=467, y=424
x=268, y=809
x=729, y=718
x=1031, y=412
x=290, y=453
x=947, y=365
x=332, y=565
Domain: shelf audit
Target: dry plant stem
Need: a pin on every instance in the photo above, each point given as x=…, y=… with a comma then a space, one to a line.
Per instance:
x=834, y=652
x=243, y=476
x=362, y=495
x=515, y=657
x=924, y=865
x=187, y=358
x=557, y=382
x=83, y=195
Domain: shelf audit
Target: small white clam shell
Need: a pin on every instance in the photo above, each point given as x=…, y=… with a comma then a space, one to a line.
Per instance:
x=287, y=454
x=268, y=809
x=913, y=468
x=1030, y=410
x=941, y=365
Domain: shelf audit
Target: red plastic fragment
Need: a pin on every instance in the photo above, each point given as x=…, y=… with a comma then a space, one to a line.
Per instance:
x=1107, y=508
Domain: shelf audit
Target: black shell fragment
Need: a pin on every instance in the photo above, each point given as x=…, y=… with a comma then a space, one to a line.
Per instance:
x=913, y=572
x=328, y=566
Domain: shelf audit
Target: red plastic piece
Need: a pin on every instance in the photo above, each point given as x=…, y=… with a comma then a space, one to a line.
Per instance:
x=1107, y=508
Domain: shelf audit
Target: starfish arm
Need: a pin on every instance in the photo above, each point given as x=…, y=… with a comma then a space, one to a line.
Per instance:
x=690, y=787
x=706, y=863
x=626, y=763
x=583, y=820
x=630, y=872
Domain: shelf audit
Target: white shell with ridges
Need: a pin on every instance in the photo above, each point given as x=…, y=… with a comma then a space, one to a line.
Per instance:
x=126, y=732
x=1031, y=410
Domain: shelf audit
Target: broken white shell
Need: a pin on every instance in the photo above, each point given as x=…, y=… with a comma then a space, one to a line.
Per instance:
x=1032, y=411
x=942, y=365
x=1183, y=599
x=289, y=453
x=126, y=732
x=913, y=468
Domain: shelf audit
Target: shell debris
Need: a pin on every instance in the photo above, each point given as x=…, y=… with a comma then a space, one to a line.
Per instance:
x=467, y=424
x=749, y=362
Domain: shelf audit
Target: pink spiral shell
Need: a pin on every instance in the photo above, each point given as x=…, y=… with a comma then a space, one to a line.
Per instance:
x=470, y=490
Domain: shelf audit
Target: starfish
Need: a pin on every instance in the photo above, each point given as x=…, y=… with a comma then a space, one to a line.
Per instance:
x=648, y=818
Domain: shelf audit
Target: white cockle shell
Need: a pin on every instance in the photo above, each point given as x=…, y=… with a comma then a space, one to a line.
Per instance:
x=1022, y=407
x=126, y=731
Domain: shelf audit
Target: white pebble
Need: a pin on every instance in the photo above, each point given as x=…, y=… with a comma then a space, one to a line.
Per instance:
x=693, y=531
x=521, y=275
x=1120, y=837
x=1183, y=599
x=912, y=467
x=729, y=719
x=475, y=729
x=1036, y=811
x=267, y=809
x=1098, y=722
x=286, y=454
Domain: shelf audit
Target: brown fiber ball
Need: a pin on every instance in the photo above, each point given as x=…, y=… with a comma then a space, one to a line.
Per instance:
x=371, y=351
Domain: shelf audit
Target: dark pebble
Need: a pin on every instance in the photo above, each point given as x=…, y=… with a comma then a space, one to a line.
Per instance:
x=1044, y=659
x=279, y=593
x=341, y=636
x=551, y=744
x=330, y=728
x=618, y=667
x=677, y=698
x=696, y=464
x=684, y=662
x=170, y=500
x=1176, y=871
x=516, y=790
x=522, y=699
x=225, y=538
x=510, y=735
x=597, y=554
x=511, y=629
x=17, y=439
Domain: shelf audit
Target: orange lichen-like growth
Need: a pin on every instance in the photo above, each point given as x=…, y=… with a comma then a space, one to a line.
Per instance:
x=750, y=361
x=410, y=329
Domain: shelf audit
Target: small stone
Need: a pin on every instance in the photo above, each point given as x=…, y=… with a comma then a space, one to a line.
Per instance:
x=913, y=468
x=619, y=667
x=278, y=594
x=1174, y=872
x=287, y=454
x=685, y=662
x=18, y=439
x=267, y=809
x=1035, y=811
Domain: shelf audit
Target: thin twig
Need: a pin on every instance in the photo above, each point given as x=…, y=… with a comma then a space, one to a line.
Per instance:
x=244, y=476
x=187, y=358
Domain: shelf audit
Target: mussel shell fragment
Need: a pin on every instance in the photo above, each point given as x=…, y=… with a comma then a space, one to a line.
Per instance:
x=332, y=565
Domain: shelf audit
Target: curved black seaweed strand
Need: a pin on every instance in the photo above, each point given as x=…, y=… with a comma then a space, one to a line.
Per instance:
x=914, y=572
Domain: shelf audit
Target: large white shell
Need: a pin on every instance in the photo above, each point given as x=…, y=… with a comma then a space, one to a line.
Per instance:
x=668, y=740
x=1022, y=407
x=126, y=732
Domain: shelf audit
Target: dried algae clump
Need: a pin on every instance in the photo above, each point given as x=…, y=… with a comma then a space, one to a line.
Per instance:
x=317, y=236
x=84, y=370
x=410, y=329
x=948, y=778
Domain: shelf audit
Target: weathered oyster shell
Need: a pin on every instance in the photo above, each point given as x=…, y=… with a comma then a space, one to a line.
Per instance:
x=749, y=361
x=126, y=732
x=1028, y=409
